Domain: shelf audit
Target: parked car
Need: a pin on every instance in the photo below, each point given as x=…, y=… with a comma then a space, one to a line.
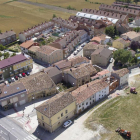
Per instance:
x=9, y=80
x=13, y=79
x=111, y=60
x=27, y=73
x=23, y=74
x=16, y=77
x=75, y=52
x=20, y=76
x=6, y=82
x=67, y=123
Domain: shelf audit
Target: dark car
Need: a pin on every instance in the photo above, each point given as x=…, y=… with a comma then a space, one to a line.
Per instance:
x=23, y=74
x=27, y=73
x=9, y=80
x=16, y=77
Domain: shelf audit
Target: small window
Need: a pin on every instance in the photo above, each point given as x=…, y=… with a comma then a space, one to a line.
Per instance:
x=58, y=118
x=102, y=95
x=79, y=106
x=82, y=103
x=93, y=101
x=10, y=68
x=86, y=103
x=66, y=117
x=43, y=124
x=61, y=114
x=99, y=95
x=22, y=95
x=42, y=118
x=66, y=111
x=90, y=98
x=59, y=123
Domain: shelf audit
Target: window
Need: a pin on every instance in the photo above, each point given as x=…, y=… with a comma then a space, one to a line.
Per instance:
x=58, y=118
x=99, y=95
x=61, y=114
x=90, y=98
x=42, y=118
x=43, y=124
x=86, y=103
x=22, y=95
x=79, y=106
x=82, y=103
x=102, y=95
x=93, y=101
x=66, y=111
x=66, y=117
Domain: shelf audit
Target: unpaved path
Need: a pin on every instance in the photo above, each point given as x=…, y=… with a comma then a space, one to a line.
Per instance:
x=55, y=8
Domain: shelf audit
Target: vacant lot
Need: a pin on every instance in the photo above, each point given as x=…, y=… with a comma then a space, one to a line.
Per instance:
x=17, y=16
x=121, y=112
x=77, y=4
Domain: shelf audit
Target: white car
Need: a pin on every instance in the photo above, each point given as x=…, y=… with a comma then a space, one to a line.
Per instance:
x=6, y=82
x=67, y=123
x=13, y=79
x=111, y=60
x=20, y=76
x=75, y=52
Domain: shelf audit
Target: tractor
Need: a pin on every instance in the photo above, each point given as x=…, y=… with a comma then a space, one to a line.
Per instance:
x=124, y=133
x=133, y=90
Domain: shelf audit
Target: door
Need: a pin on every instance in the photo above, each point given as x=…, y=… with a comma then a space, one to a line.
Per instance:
x=22, y=102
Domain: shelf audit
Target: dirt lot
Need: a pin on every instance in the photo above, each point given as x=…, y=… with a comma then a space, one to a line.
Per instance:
x=17, y=16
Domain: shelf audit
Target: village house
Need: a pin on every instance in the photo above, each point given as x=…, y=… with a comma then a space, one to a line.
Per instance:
x=101, y=56
x=49, y=54
x=38, y=85
x=88, y=94
x=54, y=73
x=7, y=37
x=69, y=41
x=35, y=31
x=12, y=95
x=15, y=65
x=122, y=75
x=79, y=75
x=132, y=36
x=102, y=74
x=101, y=39
x=65, y=25
x=90, y=48
x=121, y=43
x=129, y=5
x=54, y=112
x=103, y=15
x=32, y=51
x=117, y=9
x=25, y=46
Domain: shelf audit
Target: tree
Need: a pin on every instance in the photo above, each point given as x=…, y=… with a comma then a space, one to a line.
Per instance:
x=136, y=1
x=2, y=47
x=54, y=15
x=110, y=31
x=122, y=56
x=6, y=55
x=135, y=45
x=0, y=54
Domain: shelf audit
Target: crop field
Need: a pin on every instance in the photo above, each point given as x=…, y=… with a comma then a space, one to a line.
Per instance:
x=77, y=4
x=19, y=16
x=121, y=112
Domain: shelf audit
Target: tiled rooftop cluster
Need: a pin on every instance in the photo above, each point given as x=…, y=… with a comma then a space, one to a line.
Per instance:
x=81, y=71
x=37, y=28
x=55, y=104
x=119, y=9
x=37, y=82
x=90, y=22
x=65, y=23
x=121, y=72
x=84, y=92
x=92, y=45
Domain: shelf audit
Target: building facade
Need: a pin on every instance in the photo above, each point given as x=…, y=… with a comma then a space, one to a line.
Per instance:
x=15, y=65
x=53, y=113
x=7, y=37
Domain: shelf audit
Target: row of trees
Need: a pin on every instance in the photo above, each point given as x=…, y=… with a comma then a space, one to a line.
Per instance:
x=128, y=1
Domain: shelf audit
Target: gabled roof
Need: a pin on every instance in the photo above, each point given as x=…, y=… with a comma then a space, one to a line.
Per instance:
x=12, y=60
x=55, y=104
x=7, y=34
x=52, y=71
x=27, y=44
x=63, y=64
x=121, y=72
x=86, y=91
x=10, y=89
x=103, y=52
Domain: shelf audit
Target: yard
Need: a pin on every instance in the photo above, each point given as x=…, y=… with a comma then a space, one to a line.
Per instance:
x=121, y=112
x=19, y=16
x=14, y=48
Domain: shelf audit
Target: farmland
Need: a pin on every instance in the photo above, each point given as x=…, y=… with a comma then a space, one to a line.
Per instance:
x=77, y=4
x=122, y=112
x=19, y=16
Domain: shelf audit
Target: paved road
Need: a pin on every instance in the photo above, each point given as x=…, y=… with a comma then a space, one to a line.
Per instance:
x=134, y=71
x=49, y=6
x=12, y=130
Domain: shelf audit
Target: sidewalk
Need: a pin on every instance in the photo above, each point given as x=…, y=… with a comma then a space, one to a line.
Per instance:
x=25, y=115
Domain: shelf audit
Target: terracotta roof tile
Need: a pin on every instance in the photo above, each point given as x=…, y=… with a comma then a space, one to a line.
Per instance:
x=121, y=72
x=27, y=44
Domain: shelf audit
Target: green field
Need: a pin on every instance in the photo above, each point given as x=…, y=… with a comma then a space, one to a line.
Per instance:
x=77, y=4
x=19, y=16
x=123, y=111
